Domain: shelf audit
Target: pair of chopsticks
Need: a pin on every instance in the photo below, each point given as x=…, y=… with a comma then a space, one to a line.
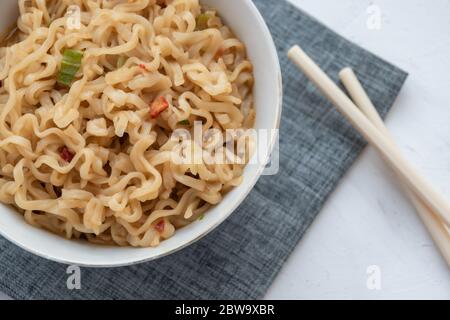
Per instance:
x=432, y=207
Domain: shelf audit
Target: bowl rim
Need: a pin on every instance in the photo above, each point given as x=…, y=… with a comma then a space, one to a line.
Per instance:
x=266, y=34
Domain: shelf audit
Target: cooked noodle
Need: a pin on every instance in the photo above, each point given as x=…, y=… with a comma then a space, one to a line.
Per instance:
x=89, y=160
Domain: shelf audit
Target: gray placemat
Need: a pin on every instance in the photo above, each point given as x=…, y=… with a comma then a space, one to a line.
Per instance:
x=241, y=258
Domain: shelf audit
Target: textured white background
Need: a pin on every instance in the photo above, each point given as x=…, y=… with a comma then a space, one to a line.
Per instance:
x=368, y=221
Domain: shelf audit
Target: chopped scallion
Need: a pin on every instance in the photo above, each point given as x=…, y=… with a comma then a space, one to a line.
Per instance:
x=184, y=122
x=121, y=61
x=202, y=21
x=70, y=65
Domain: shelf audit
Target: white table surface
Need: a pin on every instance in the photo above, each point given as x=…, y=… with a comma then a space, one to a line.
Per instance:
x=368, y=221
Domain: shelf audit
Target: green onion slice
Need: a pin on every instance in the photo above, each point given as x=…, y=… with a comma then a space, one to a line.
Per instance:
x=70, y=65
x=184, y=122
x=202, y=21
x=121, y=61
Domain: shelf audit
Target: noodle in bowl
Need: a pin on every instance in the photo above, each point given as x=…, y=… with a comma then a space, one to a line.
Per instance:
x=102, y=101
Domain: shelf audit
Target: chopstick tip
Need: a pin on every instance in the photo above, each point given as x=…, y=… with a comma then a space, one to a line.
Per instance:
x=295, y=49
x=346, y=71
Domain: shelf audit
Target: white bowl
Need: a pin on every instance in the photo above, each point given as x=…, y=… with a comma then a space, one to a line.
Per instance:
x=248, y=25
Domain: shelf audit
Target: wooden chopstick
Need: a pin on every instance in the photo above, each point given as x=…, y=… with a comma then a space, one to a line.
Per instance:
x=433, y=199
x=435, y=226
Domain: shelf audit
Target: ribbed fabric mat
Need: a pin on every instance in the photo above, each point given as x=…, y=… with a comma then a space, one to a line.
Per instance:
x=241, y=258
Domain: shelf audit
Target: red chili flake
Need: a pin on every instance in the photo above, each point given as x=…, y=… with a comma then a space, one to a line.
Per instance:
x=158, y=106
x=65, y=154
x=160, y=226
x=143, y=67
x=161, y=3
x=219, y=53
